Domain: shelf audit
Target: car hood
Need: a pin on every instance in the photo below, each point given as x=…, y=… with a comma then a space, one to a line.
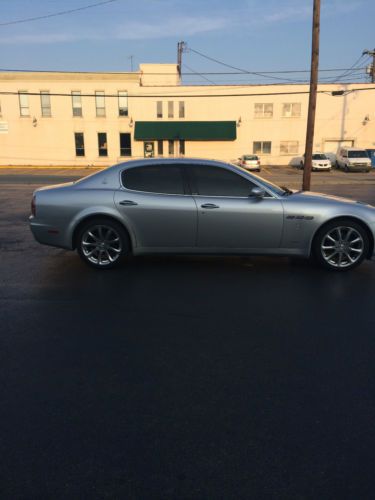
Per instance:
x=310, y=196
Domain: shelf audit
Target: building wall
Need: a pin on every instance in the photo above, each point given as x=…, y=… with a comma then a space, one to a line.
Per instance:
x=38, y=140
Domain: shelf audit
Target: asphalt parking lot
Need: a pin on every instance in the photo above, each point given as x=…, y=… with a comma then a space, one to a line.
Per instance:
x=188, y=377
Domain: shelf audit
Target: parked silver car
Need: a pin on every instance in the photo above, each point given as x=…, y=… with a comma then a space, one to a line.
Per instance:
x=250, y=162
x=198, y=206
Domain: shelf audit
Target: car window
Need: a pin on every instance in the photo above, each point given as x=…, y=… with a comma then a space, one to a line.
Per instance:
x=163, y=179
x=319, y=156
x=216, y=181
x=357, y=154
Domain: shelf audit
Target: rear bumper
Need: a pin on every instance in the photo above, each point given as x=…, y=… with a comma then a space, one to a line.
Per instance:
x=48, y=235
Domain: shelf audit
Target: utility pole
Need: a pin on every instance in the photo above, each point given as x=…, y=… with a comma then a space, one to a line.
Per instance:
x=181, y=46
x=312, y=97
x=131, y=62
x=371, y=53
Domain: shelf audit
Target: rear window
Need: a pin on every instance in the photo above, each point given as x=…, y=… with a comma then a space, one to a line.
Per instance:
x=161, y=179
x=250, y=157
x=357, y=154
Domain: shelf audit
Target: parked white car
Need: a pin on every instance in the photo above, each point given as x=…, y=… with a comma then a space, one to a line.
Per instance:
x=353, y=160
x=250, y=162
x=319, y=162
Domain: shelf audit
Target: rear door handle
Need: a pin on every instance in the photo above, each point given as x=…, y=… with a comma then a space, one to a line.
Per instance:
x=210, y=205
x=128, y=203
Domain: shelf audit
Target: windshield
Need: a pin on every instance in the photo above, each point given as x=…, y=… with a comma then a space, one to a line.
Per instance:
x=270, y=185
x=357, y=154
x=250, y=157
x=319, y=156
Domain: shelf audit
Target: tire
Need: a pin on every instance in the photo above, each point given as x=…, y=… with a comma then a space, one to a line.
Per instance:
x=341, y=245
x=346, y=168
x=102, y=243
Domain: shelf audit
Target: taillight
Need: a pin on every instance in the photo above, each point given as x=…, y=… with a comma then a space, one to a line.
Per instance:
x=33, y=206
x=258, y=162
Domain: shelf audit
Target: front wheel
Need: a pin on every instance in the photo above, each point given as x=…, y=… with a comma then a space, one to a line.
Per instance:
x=341, y=245
x=101, y=243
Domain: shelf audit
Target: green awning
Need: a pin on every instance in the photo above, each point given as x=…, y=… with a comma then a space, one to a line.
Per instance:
x=189, y=131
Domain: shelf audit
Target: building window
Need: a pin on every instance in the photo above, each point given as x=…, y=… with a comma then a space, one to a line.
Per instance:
x=181, y=109
x=125, y=145
x=45, y=102
x=289, y=147
x=170, y=109
x=80, y=144
x=160, y=148
x=291, y=110
x=262, y=147
x=182, y=147
x=123, y=103
x=263, y=110
x=24, y=103
x=171, y=148
x=77, y=103
x=102, y=144
x=100, y=103
x=159, y=109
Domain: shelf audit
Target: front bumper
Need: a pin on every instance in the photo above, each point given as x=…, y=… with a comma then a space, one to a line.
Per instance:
x=359, y=168
x=320, y=167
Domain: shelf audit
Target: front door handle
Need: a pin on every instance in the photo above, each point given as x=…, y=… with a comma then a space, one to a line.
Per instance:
x=210, y=205
x=128, y=203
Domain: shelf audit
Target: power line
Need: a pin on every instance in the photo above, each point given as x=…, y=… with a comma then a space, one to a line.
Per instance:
x=61, y=13
x=347, y=72
x=199, y=74
x=267, y=75
x=208, y=73
x=131, y=96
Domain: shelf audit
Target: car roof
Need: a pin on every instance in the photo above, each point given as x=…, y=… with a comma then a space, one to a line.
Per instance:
x=163, y=161
x=354, y=149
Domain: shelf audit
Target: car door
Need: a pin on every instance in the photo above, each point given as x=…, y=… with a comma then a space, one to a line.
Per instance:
x=228, y=217
x=154, y=201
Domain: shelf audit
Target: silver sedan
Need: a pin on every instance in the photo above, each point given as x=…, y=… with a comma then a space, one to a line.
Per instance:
x=196, y=206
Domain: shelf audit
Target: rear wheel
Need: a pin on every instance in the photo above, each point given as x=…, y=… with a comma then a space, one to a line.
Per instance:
x=341, y=245
x=101, y=243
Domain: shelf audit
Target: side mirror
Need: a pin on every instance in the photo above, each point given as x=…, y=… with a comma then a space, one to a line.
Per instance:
x=257, y=192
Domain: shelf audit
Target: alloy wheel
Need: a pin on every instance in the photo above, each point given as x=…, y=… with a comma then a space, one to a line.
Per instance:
x=101, y=245
x=342, y=246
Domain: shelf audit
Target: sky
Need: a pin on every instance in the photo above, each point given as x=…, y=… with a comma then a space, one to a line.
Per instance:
x=256, y=35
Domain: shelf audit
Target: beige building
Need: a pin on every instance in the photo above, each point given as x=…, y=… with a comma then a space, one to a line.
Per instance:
x=52, y=118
